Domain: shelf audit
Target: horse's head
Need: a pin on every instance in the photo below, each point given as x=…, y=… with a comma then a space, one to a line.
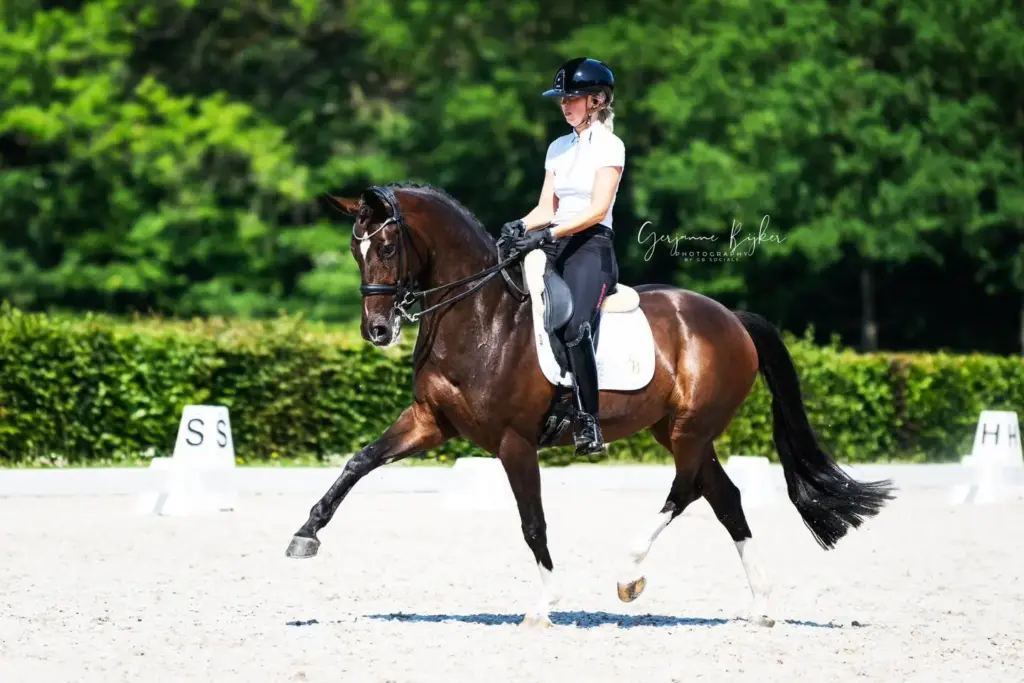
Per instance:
x=432, y=242
x=382, y=245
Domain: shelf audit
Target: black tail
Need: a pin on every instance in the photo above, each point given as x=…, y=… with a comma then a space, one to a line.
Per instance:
x=827, y=498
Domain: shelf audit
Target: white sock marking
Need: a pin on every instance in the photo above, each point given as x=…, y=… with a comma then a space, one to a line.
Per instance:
x=760, y=585
x=549, y=594
x=631, y=570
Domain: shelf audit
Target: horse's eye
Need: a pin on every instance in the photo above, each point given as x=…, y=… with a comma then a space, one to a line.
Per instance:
x=387, y=250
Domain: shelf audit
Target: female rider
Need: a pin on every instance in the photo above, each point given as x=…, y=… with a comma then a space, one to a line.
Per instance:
x=572, y=221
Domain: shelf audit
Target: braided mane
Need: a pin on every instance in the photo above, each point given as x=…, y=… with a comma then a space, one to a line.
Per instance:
x=443, y=196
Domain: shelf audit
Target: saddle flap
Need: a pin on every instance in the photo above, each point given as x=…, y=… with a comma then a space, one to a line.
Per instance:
x=558, y=303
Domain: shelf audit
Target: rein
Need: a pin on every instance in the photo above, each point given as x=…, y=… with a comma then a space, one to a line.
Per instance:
x=405, y=294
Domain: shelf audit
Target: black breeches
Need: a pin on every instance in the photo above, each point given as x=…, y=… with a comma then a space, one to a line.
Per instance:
x=587, y=263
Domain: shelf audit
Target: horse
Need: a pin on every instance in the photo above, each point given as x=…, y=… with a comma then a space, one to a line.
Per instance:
x=485, y=369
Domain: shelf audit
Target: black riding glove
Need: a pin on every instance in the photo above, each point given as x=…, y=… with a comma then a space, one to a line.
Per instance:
x=534, y=238
x=513, y=230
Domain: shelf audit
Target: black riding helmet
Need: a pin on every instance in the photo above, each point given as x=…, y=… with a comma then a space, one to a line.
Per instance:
x=581, y=76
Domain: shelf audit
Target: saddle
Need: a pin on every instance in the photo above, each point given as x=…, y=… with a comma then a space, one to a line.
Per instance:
x=625, y=360
x=559, y=306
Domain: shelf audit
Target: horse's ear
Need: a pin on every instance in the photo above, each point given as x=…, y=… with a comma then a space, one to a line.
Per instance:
x=349, y=206
x=376, y=203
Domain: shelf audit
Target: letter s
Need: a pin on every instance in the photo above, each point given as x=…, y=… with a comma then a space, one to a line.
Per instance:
x=220, y=430
x=195, y=431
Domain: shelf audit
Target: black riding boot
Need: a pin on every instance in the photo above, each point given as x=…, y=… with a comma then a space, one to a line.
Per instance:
x=583, y=366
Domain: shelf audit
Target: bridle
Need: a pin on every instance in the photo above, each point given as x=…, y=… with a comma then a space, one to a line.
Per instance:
x=403, y=289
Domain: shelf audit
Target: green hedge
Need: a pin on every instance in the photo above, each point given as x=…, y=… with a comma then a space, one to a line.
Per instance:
x=97, y=390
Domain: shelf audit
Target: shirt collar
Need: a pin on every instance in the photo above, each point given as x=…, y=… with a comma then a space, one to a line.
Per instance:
x=588, y=134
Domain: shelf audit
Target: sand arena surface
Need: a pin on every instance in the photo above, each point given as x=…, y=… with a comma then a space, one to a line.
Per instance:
x=403, y=590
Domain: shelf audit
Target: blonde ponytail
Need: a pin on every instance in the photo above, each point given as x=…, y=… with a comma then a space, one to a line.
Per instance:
x=605, y=115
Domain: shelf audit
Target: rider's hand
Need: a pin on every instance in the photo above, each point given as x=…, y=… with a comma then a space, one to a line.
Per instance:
x=513, y=230
x=534, y=238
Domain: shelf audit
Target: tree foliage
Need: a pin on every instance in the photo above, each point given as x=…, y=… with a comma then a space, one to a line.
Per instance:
x=168, y=155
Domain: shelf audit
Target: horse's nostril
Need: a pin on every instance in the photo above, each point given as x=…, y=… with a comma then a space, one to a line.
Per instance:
x=378, y=332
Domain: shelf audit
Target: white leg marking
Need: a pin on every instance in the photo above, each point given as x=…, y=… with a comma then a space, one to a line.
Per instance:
x=641, y=546
x=550, y=595
x=757, y=577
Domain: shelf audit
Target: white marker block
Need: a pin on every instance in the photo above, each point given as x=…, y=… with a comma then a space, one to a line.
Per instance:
x=755, y=479
x=994, y=461
x=478, y=484
x=196, y=479
x=987, y=482
x=997, y=438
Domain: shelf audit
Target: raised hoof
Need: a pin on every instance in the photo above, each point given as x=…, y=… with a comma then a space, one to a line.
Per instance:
x=628, y=592
x=532, y=622
x=302, y=547
x=762, y=620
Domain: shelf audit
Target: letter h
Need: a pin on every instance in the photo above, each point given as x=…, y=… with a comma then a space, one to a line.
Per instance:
x=985, y=432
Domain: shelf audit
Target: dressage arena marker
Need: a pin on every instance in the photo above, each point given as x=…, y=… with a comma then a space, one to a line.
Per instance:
x=477, y=484
x=756, y=480
x=995, y=463
x=189, y=481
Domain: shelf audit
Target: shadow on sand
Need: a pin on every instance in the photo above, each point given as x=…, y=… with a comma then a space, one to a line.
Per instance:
x=578, y=619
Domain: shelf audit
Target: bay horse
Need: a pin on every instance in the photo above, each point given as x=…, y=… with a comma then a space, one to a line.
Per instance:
x=477, y=375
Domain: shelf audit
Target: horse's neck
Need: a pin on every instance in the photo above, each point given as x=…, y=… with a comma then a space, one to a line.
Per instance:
x=477, y=316
x=462, y=259
x=458, y=249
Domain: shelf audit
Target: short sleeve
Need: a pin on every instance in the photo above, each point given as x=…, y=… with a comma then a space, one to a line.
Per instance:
x=549, y=159
x=611, y=152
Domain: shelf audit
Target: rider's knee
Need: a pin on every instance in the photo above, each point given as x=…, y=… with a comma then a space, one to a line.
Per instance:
x=576, y=330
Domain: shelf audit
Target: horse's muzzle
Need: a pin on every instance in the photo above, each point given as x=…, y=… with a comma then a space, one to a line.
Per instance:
x=379, y=333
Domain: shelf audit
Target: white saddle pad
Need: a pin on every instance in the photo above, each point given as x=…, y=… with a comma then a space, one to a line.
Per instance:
x=625, y=346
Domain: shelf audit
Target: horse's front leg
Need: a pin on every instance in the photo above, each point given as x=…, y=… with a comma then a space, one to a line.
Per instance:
x=519, y=458
x=414, y=431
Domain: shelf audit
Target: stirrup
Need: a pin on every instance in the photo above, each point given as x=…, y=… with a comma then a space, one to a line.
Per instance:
x=587, y=435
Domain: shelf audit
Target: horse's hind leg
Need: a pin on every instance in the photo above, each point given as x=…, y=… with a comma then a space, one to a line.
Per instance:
x=698, y=473
x=686, y=451
x=724, y=498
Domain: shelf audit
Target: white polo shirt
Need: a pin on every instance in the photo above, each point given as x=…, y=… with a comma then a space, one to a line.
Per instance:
x=575, y=160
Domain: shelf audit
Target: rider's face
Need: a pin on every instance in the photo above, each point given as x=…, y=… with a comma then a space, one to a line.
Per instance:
x=574, y=108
